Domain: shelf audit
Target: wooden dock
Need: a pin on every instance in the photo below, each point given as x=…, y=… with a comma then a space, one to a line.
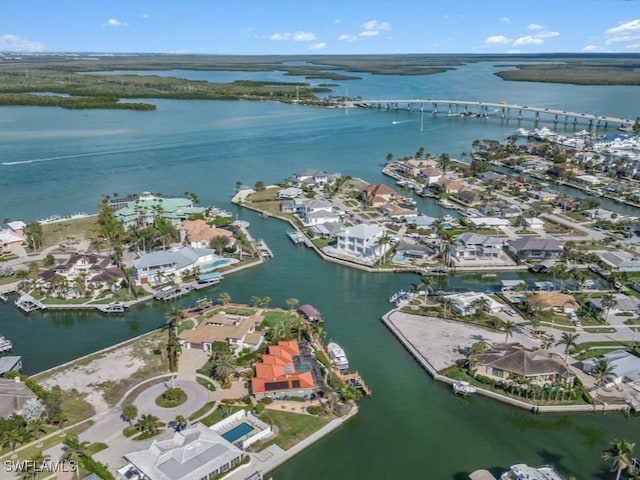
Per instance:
x=27, y=303
x=263, y=249
x=355, y=380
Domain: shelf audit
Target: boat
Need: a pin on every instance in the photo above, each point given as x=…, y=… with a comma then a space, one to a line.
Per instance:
x=522, y=471
x=521, y=132
x=397, y=296
x=338, y=357
x=5, y=345
x=445, y=203
x=463, y=388
x=113, y=307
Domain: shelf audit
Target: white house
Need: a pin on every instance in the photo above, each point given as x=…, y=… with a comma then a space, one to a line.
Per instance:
x=470, y=246
x=361, y=241
x=10, y=239
x=620, y=261
x=191, y=454
x=491, y=222
x=462, y=303
x=430, y=175
x=534, y=223
x=311, y=178
x=625, y=365
x=315, y=212
x=158, y=267
x=291, y=192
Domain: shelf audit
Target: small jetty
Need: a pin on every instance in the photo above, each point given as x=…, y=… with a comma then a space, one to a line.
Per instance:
x=263, y=249
x=296, y=236
x=355, y=380
x=169, y=293
x=27, y=303
x=112, y=308
x=5, y=345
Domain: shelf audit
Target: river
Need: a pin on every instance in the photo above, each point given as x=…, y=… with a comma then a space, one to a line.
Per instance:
x=56, y=161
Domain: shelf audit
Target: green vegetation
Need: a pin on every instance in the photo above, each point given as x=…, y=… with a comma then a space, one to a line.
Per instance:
x=201, y=411
x=206, y=384
x=591, y=73
x=171, y=398
x=292, y=427
x=223, y=411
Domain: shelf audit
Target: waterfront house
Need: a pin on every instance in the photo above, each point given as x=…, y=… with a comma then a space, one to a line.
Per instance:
x=501, y=364
x=589, y=180
x=291, y=206
x=624, y=304
x=13, y=395
x=159, y=267
x=327, y=229
x=625, y=366
x=145, y=208
x=470, y=246
x=465, y=303
x=194, y=453
x=95, y=270
x=448, y=185
x=469, y=198
x=619, y=261
x=198, y=233
x=18, y=227
x=430, y=175
x=413, y=166
x=602, y=215
x=490, y=222
x=567, y=204
x=535, y=248
x=564, y=170
x=377, y=195
x=316, y=212
x=556, y=301
x=392, y=210
x=361, y=240
x=421, y=221
x=500, y=210
x=10, y=239
x=280, y=373
x=291, y=192
x=237, y=331
x=311, y=178
x=416, y=251
x=546, y=196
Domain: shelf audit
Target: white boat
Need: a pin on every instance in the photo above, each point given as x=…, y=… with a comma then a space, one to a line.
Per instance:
x=5, y=345
x=521, y=132
x=463, y=388
x=522, y=472
x=338, y=357
x=445, y=203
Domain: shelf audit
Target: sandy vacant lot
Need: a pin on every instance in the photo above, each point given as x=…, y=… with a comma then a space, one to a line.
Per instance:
x=111, y=367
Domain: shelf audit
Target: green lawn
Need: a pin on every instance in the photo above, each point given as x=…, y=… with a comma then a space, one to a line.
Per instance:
x=273, y=318
x=201, y=411
x=292, y=427
x=220, y=413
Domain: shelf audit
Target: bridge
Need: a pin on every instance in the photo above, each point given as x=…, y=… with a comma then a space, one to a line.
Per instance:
x=486, y=109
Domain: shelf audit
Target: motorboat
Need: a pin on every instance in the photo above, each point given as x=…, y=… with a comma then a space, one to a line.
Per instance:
x=463, y=388
x=525, y=472
x=338, y=357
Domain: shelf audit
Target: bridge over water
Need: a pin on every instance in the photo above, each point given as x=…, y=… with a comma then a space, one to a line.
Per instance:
x=486, y=109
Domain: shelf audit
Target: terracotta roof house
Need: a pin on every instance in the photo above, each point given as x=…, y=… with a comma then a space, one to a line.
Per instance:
x=9, y=238
x=198, y=233
x=537, y=365
x=447, y=185
x=278, y=375
x=376, y=195
x=239, y=332
x=13, y=395
x=97, y=270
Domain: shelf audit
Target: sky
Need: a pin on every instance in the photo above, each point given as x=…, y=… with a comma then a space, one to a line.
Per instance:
x=279, y=27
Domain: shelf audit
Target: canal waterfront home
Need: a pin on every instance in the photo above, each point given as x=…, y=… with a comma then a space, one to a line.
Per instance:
x=289, y=193
x=311, y=178
x=142, y=210
x=501, y=363
x=280, y=373
x=9, y=239
x=95, y=270
x=237, y=331
x=625, y=367
x=198, y=234
x=468, y=302
x=619, y=261
x=377, y=195
x=190, y=454
x=471, y=246
x=361, y=241
x=535, y=248
x=158, y=267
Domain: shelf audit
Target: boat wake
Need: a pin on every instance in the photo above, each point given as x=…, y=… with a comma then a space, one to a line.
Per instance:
x=64, y=157
x=396, y=122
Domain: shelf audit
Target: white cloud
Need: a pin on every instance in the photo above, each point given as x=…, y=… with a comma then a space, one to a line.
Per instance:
x=369, y=33
x=303, y=37
x=592, y=48
x=112, y=22
x=505, y=19
x=280, y=36
x=534, y=26
x=528, y=40
x=18, y=43
x=374, y=25
x=635, y=46
x=347, y=38
x=145, y=15
x=624, y=33
x=546, y=34
x=318, y=46
x=337, y=20
x=497, y=40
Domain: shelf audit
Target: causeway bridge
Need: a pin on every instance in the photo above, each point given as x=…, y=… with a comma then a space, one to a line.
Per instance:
x=457, y=108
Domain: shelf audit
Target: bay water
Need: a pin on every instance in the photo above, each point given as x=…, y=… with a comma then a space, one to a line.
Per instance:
x=55, y=161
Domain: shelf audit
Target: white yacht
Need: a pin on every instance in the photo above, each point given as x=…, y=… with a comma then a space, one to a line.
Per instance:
x=464, y=388
x=522, y=472
x=338, y=357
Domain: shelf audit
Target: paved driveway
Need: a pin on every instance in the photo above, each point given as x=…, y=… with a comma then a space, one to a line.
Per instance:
x=197, y=397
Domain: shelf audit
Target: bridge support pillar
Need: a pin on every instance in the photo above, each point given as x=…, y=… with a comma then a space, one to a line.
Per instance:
x=409, y=107
x=575, y=120
x=519, y=114
x=555, y=119
x=566, y=119
x=590, y=122
x=504, y=113
x=434, y=108
x=466, y=110
x=537, y=117
x=606, y=124
x=450, y=111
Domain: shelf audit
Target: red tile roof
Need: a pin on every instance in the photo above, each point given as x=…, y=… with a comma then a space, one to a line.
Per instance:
x=277, y=367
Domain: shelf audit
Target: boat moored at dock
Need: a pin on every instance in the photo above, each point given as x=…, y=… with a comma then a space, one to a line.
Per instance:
x=522, y=471
x=338, y=357
x=463, y=388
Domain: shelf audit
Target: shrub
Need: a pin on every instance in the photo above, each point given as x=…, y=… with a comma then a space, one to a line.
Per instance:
x=259, y=408
x=314, y=410
x=267, y=400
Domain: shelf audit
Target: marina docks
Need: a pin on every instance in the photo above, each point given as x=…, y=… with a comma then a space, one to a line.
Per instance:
x=297, y=237
x=263, y=249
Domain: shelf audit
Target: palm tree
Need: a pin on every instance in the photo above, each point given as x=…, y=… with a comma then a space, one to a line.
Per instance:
x=508, y=327
x=255, y=300
x=569, y=342
x=74, y=451
x=619, y=452
x=129, y=413
x=174, y=316
x=148, y=423
x=224, y=298
x=36, y=427
x=604, y=372
x=607, y=303
x=223, y=366
x=11, y=438
x=292, y=303
x=446, y=305
x=36, y=459
x=180, y=423
x=264, y=301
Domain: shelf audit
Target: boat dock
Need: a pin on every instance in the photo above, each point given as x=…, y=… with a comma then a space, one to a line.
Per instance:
x=5, y=345
x=170, y=293
x=296, y=236
x=27, y=303
x=355, y=380
x=3, y=298
x=263, y=249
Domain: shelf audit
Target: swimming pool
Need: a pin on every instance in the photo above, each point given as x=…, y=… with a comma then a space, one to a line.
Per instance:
x=223, y=262
x=237, y=432
x=400, y=258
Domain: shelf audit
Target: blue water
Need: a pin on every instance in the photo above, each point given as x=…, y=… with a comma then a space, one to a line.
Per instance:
x=302, y=368
x=237, y=432
x=216, y=264
x=399, y=258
